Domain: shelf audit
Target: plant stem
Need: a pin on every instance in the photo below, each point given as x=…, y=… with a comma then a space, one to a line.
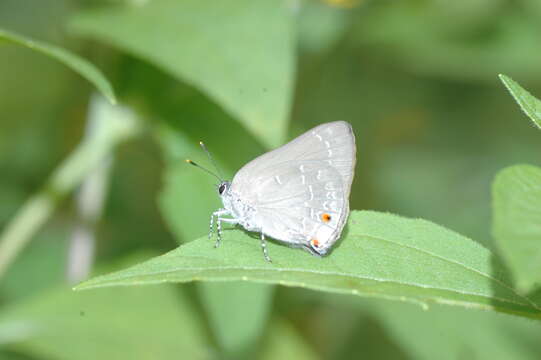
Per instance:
x=90, y=200
x=112, y=125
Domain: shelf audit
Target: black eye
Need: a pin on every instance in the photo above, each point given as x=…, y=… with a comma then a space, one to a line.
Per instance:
x=221, y=189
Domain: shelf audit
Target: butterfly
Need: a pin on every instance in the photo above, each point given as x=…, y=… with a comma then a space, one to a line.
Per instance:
x=297, y=194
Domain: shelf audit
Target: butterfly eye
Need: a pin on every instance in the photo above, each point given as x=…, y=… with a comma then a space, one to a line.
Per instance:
x=221, y=189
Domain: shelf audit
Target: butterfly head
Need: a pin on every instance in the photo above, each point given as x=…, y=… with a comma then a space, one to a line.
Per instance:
x=224, y=190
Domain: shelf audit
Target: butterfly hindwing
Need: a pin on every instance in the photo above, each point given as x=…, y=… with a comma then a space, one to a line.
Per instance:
x=300, y=202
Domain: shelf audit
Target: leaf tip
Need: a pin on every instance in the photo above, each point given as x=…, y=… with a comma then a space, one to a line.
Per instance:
x=78, y=287
x=505, y=80
x=85, y=285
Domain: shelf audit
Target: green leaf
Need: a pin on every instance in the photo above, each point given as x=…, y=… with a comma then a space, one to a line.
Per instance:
x=516, y=196
x=238, y=315
x=320, y=27
x=188, y=192
x=41, y=266
x=121, y=323
x=246, y=64
x=459, y=40
x=284, y=342
x=237, y=312
x=76, y=63
x=528, y=103
x=111, y=125
x=380, y=255
x=448, y=333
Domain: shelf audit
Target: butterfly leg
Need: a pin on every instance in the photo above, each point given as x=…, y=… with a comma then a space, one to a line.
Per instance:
x=216, y=215
x=264, y=247
x=219, y=227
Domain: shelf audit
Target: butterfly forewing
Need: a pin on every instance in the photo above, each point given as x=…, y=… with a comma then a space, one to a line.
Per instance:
x=332, y=143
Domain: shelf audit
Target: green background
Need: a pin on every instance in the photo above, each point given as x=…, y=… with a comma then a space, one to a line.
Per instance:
x=416, y=79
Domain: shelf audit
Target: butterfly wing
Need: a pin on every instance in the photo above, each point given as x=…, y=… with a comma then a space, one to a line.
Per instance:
x=301, y=190
x=332, y=143
x=303, y=203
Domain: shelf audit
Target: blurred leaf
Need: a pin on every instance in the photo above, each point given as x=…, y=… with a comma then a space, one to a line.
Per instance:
x=458, y=40
x=122, y=323
x=368, y=340
x=195, y=193
x=284, y=342
x=517, y=222
x=320, y=26
x=225, y=61
x=111, y=126
x=188, y=193
x=448, y=333
x=76, y=63
x=238, y=314
x=452, y=333
x=417, y=180
x=532, y=6
x=528, y=103
x=381, y=255
x=41, y=266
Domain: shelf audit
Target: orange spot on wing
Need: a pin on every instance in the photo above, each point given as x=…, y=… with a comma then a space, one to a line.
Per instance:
x=315, y=243
x=326, y=217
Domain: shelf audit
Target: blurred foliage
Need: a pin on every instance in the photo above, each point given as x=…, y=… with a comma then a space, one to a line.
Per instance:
x=418, y=81
x=517, y=222
x=83, y=67
x=224, y=61
x=516, y=194
x=63, y=325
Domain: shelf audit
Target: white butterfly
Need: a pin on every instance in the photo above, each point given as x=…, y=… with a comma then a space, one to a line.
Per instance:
x=297, y=194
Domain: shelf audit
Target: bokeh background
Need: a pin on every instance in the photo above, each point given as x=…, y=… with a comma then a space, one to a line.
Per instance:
x=418, y=81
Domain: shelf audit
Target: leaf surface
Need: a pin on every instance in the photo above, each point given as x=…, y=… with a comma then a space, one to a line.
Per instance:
x=246, y=64
x=516, y=206
x=451, y=333
x=283, y=341
x=237, y=311
x=528, y=103
x=238, y=314
x=380, y=255
x=118, y=323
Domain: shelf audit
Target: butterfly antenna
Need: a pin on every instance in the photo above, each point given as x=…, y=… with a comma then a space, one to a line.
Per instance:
x=204, y=169
x=212, y=160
